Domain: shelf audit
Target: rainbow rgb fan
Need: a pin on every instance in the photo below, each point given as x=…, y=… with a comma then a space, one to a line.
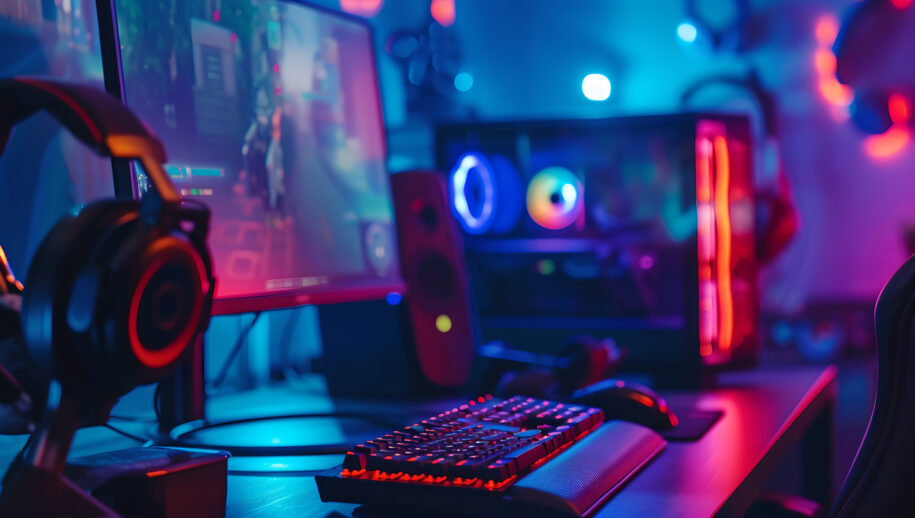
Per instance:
x=554, y=199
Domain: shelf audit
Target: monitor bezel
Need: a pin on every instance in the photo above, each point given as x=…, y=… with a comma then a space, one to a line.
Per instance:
x=126, y=186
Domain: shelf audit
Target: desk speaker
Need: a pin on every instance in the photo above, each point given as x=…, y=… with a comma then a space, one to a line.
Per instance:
x=393, y=347
x=432, y=263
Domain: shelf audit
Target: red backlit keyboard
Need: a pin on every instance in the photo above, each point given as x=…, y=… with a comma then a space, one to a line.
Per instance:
x=521, y=453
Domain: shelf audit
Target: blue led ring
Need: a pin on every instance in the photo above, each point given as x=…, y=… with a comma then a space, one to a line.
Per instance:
x=474, y=224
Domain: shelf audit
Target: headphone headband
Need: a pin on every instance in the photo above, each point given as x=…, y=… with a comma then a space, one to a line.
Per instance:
x=94, y=117
x=750, y=84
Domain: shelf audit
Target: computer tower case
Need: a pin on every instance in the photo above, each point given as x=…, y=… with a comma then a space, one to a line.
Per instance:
x=636, y=228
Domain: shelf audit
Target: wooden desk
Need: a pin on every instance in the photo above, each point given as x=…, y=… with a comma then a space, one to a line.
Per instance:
x=766, y=412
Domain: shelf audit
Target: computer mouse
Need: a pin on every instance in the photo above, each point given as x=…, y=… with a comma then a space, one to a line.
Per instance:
x=627, y=402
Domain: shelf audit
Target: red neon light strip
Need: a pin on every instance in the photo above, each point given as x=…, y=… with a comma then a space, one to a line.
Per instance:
x=708, y=328
x=723, y=218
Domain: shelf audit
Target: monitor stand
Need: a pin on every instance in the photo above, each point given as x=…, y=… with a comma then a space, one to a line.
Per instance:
x=183, y=421
x=182, y=395
x=35, y=484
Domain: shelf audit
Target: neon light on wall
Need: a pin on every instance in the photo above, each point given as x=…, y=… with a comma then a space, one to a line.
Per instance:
x=897, y=136
x=687, y=32
x=893, y=140
x=824, y=62
x=362, y=7
x=443, y=12
x=826, y=30
x=460, y=203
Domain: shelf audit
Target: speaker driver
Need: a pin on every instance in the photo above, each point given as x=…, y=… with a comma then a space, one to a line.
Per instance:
x=435, y=277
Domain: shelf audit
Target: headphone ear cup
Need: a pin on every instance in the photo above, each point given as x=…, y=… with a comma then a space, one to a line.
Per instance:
x=57, y=262
x=114, y=296
x=157, y=304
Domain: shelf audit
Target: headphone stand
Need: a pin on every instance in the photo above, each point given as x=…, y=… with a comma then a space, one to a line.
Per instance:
x=182, y=394
x=37, y=485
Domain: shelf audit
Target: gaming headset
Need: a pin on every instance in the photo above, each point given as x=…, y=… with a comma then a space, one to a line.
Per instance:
x=115, y=295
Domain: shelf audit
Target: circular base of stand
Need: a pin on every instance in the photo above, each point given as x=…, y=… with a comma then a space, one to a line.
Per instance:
x=287, y=436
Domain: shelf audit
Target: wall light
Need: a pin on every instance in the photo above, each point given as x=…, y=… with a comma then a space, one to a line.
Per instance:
x=687, y=32
x=463, y=82
x=596, y=87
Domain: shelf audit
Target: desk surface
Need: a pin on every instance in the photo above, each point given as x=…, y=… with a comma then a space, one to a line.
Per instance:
x=765, y=413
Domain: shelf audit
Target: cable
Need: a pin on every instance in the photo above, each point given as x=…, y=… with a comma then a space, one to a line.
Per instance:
x=129, y=435
x=242, y=339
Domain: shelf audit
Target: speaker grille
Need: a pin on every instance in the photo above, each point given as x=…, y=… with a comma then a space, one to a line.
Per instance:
x=435, y=276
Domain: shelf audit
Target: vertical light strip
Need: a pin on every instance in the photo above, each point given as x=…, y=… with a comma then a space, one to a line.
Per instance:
x=723, y=220
x=708, y=302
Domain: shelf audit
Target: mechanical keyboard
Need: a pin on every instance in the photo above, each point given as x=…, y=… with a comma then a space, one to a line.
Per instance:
x=492, y=457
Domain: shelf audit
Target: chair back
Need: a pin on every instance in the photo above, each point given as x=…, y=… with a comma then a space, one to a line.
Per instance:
x=881, y=481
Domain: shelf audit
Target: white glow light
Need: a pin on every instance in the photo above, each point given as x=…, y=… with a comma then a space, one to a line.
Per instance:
x=596, y=87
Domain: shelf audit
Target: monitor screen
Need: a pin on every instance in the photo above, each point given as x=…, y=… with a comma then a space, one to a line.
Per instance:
x=270, y=114
x=60, y=40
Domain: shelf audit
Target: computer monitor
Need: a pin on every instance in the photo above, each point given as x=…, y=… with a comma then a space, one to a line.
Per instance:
x=40, y=38
x=271, y=115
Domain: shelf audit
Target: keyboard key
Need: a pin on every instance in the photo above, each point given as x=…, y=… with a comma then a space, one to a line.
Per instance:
x=527, y=434
x=527, y=455
x=416, y=429
x=499, y=470
x=354, y=461
x=365, y=448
